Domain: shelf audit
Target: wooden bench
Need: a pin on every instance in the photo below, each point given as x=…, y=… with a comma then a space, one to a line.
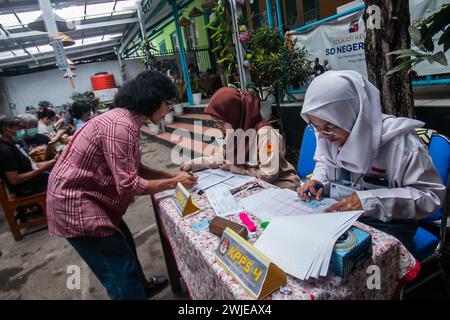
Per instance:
x=11, y=202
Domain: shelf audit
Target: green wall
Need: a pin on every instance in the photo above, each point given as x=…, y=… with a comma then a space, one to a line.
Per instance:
x=164, y=32
x=170, y=28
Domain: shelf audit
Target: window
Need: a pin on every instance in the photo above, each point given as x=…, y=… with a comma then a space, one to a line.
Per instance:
x=291, y=13
x=175, y=42
x=309, y=11
x=193, y=35
x=256, y=20
x=162, y=47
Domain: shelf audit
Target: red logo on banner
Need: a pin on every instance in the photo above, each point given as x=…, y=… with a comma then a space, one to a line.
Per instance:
x=354, y=26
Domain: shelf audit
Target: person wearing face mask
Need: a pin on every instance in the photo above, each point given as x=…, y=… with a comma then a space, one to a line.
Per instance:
x=376, y=160
x=37, y=145
x=261, y=156
x=98, y=175
x=22, y=175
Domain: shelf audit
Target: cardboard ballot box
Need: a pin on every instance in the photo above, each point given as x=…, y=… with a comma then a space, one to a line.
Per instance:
x=352, y=248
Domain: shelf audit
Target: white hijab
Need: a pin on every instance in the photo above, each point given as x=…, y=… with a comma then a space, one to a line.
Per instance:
x=349, y=101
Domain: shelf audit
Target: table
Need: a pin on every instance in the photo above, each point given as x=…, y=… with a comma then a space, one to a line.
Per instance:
x=190, y=254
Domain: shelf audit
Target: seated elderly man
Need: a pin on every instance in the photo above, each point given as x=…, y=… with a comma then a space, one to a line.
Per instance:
x=38, y=146
x=22, y=175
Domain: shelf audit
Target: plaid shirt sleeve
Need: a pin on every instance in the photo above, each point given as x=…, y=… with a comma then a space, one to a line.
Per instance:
x=121, y=151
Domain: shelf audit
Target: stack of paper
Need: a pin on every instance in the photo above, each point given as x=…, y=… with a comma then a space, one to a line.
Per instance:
x=222, y=201
x=209, y=178
x=302, y=245
x=272, y=203
x=217, y=178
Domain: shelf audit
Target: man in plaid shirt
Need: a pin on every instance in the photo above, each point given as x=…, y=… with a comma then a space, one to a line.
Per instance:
x=98, y=175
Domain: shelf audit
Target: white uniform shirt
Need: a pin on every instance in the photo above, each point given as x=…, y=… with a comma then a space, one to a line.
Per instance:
x=415, y=187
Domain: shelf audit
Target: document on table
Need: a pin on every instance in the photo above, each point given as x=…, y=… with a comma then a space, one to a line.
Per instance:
x=217, y=178
x=210, y=177
x=222, y=201
x=302, y=245
x=235, y=181
x=272, y=203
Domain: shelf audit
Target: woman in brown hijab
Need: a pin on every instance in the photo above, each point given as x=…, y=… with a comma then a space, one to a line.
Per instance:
x=261, y=151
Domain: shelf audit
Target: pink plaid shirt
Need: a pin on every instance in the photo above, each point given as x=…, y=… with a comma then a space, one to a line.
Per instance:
x=96, y=177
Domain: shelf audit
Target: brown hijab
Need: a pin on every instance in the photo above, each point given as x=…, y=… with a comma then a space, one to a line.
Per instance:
x=240, y=108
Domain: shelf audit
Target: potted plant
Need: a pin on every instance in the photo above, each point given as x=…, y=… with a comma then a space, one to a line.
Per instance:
x=148, y=51
x=196, y=92
x=220, y=29
x=181, y=92
x=102, y=107
x=45, y=104
x=169, y=118
x=274, y=65
x=153, y=128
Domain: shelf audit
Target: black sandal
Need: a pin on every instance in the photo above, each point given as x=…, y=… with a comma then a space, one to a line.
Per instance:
x=155, y=284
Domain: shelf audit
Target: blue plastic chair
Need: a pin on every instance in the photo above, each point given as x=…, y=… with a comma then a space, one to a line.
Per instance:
x=425, y=244
x=306, y=163
x=428, y=247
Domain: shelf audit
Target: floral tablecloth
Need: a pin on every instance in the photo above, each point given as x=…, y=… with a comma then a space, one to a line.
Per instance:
x=206, y=279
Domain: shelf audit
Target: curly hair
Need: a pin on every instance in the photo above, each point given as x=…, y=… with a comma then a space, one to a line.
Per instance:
x=145, y=93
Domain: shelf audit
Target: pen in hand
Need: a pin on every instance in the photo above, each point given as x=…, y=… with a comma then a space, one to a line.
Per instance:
x=317, y=187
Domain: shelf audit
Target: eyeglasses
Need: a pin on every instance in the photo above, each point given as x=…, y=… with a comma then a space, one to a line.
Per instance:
x=170, y=104
x=327, y=131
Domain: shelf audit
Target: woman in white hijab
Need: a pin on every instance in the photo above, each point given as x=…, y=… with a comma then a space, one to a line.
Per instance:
x=356, y=142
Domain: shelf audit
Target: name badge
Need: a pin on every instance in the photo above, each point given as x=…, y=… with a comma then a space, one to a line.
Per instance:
x=254, y=271
x=340, y=190
x=183, y=201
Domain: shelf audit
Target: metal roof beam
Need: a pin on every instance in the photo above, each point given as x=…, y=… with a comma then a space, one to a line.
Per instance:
x=80, y=27
x=79, y=57
x=50, y=54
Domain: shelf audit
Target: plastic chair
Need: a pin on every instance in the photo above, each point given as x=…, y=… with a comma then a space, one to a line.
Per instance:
x=306, y=163
x=429, y=247
x=425, y=243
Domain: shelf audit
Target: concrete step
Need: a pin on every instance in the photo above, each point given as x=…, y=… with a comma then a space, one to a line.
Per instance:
x=202, y=133
x=191, y=118
x=192, y=148
x=199, y=109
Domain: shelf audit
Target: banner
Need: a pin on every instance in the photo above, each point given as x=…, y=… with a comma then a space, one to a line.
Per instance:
x=341, y=42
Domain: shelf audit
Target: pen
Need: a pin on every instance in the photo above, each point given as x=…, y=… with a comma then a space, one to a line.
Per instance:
x=317, y=187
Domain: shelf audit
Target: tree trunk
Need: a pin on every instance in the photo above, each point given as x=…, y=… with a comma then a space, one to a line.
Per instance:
x=396, y=90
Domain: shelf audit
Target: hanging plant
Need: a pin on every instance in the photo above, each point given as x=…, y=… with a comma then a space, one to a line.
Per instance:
x=148, y=54
x=222, y=35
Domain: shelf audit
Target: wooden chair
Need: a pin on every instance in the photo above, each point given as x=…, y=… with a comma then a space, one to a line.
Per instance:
x=10, y=203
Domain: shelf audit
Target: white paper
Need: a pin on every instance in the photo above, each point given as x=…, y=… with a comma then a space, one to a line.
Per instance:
x=210, y=177
x=236, y=180
x=302, y=245
x=222, y=201
x=272, y=203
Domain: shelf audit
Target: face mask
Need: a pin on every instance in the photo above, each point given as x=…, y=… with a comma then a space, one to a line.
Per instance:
x=19, y=136
x=31, y=132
